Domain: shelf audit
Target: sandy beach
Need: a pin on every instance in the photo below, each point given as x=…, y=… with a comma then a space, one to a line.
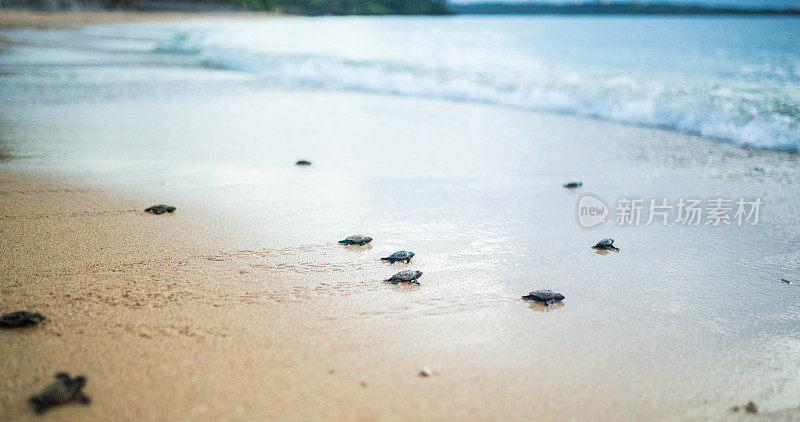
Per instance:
x=242, y=305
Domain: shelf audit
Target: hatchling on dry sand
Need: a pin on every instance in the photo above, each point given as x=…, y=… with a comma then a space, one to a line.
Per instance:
x=20, y=319
x=399, y=256
x=549, y=297
x=356, y=239
x=64, y=389
x=606, y=245
x=573, y=185
x=406, y=276
x=303, y=163
x=160, y=209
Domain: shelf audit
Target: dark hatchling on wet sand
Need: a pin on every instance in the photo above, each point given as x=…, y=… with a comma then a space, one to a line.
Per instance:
x=64, y=389
x=606, y=245
x=406, y=276
x=399, y=256
x=160, y=209
x=573, y=185
x=20, y=319
x=356, y=239
x=548, y=297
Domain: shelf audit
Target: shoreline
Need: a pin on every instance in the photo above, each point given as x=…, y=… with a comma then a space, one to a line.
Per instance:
x=242, y=305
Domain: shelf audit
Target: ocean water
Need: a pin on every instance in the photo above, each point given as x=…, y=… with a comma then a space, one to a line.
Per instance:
x=736, y=79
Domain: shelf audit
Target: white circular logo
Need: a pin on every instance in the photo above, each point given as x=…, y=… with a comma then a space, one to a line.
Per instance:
x=591, y=211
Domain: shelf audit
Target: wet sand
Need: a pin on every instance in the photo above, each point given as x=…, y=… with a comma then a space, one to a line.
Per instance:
x=242, y=306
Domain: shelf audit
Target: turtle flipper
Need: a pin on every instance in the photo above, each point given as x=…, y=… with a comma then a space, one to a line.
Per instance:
x=408, y=260
x=84, y=399
x=39, y=406
x=549, y=302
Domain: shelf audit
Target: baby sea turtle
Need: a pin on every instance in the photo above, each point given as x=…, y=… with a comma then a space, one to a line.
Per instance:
x=399, y=256
x=160, y=209
x=303, y=163
x=549, y=297
x=63, y=389
x=573, y=185
x=406, y=276
x=606, y=245
x=356, y=239
x=20, y=319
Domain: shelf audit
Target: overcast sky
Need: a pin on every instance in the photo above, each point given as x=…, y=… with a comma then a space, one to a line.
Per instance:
x=744, y=3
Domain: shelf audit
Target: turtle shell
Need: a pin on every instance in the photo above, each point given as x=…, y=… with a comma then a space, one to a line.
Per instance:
x=357, y=238
x=544, y=296
x=63, y=389
x=405, y=276
x=401, y=255
x=160, y=209
x=605, y=244
x=21, y=319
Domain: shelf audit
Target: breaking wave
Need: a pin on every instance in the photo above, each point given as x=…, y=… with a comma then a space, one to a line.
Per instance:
x=757, y=106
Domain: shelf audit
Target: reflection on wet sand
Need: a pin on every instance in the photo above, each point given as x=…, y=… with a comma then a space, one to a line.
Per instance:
x=404, y=287
x=541, y=307
x=605, y=251
x=359, y=248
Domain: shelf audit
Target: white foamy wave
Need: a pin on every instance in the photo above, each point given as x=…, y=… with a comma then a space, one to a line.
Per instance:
x=744, y=112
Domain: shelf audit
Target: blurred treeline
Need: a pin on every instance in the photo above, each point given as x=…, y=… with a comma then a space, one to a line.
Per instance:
x=349, y=7
x=302, y=7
